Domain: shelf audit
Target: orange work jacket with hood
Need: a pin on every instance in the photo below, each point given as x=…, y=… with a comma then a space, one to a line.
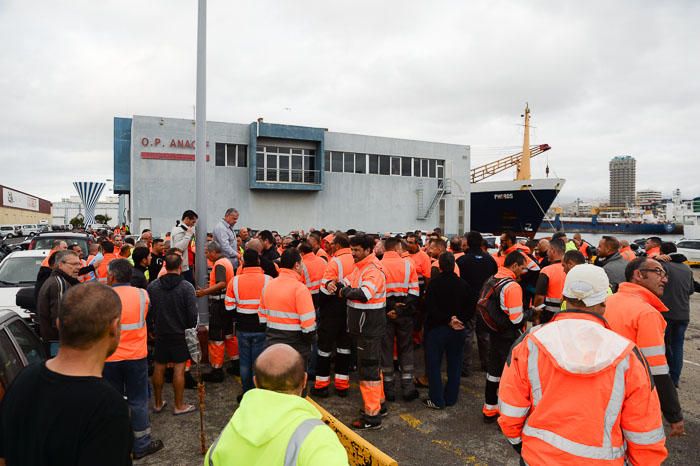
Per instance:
x=524, y=250
x=340, y=266
x=574, y=392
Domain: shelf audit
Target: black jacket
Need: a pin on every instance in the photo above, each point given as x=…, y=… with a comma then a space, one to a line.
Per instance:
x=475, y=268
x=138, y=278
x=680, y=286
x=154, y=268
x=447, y=295
x=49, y=302
x=173, y=306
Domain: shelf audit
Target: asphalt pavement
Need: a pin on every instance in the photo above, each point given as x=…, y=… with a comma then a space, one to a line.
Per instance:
x=414, y=434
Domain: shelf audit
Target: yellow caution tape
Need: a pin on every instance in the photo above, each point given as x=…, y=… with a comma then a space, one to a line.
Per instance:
x=360, y=451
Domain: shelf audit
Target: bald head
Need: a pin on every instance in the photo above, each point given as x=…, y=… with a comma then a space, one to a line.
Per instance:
x=255, y=244
x=280, y=368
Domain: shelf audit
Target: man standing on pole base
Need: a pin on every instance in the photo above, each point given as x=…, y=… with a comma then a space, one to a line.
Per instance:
x=365, y=291
x=575, y=392
x=224, y=235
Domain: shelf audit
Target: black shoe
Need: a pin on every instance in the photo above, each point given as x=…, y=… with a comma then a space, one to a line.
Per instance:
x=410, y=396
x=190, y=383
x=429, y=403
x=490, y=419
x=343, y=393
x=215, y=376
x=383, y=411
x=153, y=447
x=361, y=424
x=234, y=368
x=319, y=392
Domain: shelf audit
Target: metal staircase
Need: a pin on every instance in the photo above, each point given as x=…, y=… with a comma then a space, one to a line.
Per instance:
x=444, y=187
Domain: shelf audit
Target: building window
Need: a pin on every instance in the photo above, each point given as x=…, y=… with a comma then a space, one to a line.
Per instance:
x=396, y=165
x=231, y=155
x=373, y=164
x=460, y=217
x=416, y=167
x=360, y=163
x=349, y=166
x=406, y=168
x=433, y=168
x=285, y=164
x=384, y=162
x=424, y=165
x=337, y=162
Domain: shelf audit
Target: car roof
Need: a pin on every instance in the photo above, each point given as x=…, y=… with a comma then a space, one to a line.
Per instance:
x=6, y=315
x=62, y=234
x=29, y=253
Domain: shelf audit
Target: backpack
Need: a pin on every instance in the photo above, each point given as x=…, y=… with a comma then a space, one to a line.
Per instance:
x=489, y=305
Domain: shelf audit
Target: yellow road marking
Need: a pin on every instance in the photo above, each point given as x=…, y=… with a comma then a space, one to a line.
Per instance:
x=461, y=454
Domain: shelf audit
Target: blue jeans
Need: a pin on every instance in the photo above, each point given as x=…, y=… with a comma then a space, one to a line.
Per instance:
x=250, y=345
x=130, y=378
x=441, y=341
x=675, y=334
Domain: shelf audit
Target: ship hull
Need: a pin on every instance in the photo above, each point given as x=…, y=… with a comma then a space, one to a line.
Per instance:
x=644, y=229
x=517, y=206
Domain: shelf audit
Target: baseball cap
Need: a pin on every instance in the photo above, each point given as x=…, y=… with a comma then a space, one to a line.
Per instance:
x=588, y=283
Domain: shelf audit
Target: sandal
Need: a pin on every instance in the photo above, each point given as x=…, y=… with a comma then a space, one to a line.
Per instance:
x=188, y=409
x=159, y=410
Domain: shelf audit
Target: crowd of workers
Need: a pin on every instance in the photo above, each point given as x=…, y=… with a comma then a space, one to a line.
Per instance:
x=300, y=313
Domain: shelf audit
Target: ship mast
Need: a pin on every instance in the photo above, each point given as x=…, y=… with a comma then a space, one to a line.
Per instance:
x=524, y=166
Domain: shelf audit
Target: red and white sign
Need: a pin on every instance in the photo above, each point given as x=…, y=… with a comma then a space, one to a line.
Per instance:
x=18, y=200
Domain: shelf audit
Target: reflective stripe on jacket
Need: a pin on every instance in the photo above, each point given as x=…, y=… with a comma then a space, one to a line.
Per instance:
x=401, y=276
x=368, y=276
x=244, y=291
x=286, y=304
x=511, y=296
x=102, y=268
x=134, y=334
x=573, y=392
x=339, y=267
x=312, y=270
x=555, y=286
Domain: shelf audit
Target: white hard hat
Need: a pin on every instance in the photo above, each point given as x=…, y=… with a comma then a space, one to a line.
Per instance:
x=588, y=283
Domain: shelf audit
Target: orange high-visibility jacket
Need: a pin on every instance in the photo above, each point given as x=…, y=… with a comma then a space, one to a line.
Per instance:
x=227, y=265
x=339, y=267
x=627, y=253
x=524, y=250
x=435, y=263
x=653, y=252
x=312, y=270
x=555, y=286
x=511, y=297
x=635, y=313
x=102, y=269
x=369, y=277
x=422, y=262
x=574, y=392
x=132, y=343
x=323, y=254
x=244, y=291
x=401, y=276
x=286, y=304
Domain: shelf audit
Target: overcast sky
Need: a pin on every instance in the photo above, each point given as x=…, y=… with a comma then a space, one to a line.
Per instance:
x=602, y=78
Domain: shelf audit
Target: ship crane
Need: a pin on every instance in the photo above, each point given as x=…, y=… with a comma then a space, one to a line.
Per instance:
x=487, y=170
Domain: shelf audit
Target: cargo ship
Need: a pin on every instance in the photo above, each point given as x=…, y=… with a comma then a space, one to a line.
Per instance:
x=518, y=205
x=613, y=225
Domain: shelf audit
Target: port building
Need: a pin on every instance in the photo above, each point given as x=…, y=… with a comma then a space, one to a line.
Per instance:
x=286, y=177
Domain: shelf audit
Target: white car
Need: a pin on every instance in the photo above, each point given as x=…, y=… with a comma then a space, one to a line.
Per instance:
x=30, y=230
x=8, y=231
x=690, y=248
x=18, y=270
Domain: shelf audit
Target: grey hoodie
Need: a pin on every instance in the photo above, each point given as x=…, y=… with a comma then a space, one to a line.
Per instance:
x=614, y=267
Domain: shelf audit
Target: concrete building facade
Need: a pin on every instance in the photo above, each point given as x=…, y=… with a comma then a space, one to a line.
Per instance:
x=286, y=178
x=69, y=207
x=17, y=208
x=623, y=181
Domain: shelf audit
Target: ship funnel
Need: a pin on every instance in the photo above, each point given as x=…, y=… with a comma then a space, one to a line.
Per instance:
x=89, y=192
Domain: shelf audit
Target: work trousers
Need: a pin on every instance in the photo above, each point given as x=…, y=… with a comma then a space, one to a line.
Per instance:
x=333, y=335
x=401, y=330
x=221, y=336
x=499, y=347
x=250, y=345
x=371, y=386
x=475, y=328
x=444, y=341
x=675, y=334
x=130, y=379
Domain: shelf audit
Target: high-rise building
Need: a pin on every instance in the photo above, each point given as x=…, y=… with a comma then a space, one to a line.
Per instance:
x=623, y=178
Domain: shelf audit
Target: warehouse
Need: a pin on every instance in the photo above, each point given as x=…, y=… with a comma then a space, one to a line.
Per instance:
x=20, y=208
x=286, y=177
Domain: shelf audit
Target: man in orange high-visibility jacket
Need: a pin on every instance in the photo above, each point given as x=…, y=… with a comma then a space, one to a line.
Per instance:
x=653, y=246
x=286, y=307
x=626, y=251
x=436, y=248
x=221, y=337
x=312, y=270
x=635, y=313
x=574, y=392
x=402, y=292
x=332, y=326
x=550, y=282
x=127, y=368
x=109, y=256
x=507, y=298
x=365, y=291
x=243, y=298
x=314, y=240
x=419, y=258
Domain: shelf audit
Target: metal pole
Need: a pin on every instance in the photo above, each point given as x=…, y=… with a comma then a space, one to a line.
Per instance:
x=200, y=157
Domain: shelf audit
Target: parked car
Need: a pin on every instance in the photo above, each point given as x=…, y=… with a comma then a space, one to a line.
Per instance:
x=30, y=230
x=18, y=271
x=8, y=231
x=45, y=240
x=690, y=248
x=19, y=347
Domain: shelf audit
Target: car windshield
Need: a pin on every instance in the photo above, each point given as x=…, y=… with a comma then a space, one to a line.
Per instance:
x=47, y=243
x=14, y=270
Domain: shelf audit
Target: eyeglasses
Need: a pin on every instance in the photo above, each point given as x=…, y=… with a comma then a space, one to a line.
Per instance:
x=660, y=272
